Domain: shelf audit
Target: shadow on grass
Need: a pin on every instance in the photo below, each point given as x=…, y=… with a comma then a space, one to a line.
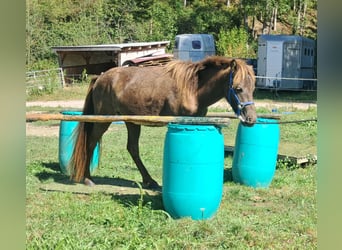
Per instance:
x=65, y=179
x=228, y=175
x=116, y=187
x=126, y=192
x=59, y=177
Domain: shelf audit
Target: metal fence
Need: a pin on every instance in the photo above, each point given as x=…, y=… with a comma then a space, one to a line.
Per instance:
x=44, y=80
x=286, y=83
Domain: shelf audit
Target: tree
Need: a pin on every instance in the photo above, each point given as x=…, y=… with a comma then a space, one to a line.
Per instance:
x=68, y=22
x=234, y=43
x=302, y=23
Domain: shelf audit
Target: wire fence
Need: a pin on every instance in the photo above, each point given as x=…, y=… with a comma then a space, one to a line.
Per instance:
x=286, y=83
x=44, y=81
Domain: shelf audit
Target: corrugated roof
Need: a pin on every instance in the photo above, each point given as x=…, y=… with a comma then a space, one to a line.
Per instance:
x=110, y=47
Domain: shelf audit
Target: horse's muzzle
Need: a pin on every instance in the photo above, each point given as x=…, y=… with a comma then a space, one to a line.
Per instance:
x=247, y=120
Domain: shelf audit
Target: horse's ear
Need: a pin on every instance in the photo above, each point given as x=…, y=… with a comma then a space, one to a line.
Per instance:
x=225, y=65
x=233, y=65
x=200, y=67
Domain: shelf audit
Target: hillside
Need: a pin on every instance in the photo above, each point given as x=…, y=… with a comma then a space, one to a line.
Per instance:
x=233, y=23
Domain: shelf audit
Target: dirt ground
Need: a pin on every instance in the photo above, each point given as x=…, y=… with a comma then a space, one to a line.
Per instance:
x=53, y=130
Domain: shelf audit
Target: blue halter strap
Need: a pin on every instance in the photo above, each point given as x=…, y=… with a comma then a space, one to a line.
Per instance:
x=232, y=92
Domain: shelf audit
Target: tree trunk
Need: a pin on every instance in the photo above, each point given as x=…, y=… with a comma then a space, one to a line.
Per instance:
x=254, y=32
x=245, y=16
x=303, y=18
x=151, y=27
x=299, y=18
x=245, y=20
x=275, y=12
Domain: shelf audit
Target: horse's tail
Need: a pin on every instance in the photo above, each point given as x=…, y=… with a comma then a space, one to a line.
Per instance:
x=80, y=158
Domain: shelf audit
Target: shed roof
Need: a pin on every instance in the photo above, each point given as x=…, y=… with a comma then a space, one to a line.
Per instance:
x=112, y=47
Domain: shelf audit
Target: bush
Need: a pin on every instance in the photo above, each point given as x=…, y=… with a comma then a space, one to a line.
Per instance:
x=234, y=43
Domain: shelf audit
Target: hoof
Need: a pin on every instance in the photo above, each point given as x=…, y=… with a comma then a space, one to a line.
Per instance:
x=88, y=182
x=153, y=185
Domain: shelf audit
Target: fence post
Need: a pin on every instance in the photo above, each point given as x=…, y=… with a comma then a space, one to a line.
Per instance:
x=62, y=77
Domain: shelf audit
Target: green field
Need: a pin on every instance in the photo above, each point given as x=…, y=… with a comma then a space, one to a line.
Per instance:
x=64, y=215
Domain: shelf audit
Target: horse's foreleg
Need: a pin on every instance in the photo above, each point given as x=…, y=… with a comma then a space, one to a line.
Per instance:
x=94, y=137
x=133, y=148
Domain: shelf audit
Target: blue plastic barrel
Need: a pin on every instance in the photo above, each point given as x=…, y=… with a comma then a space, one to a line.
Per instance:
x=67, y=144
x=255, y=153
x=193, y=170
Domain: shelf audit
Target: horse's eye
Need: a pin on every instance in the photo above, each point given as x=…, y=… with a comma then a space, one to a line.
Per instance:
x=238, y=90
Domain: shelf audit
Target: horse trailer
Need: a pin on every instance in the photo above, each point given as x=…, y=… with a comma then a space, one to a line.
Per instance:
x=193, y=47
x=286, y=62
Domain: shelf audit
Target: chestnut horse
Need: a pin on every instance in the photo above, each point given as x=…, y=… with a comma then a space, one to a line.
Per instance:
x=178, y=88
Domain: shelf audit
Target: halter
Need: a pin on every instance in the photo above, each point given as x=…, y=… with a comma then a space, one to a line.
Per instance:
x=231, y=91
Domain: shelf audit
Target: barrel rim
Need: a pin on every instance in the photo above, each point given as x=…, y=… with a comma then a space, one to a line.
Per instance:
x=191, y=127
x=263, y=119
x=71, y=112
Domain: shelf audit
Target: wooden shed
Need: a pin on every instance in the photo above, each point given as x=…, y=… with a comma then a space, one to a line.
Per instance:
x=94, y=59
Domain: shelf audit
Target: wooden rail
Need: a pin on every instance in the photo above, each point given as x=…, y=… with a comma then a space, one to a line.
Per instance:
x=233, y=116
x=137, y=119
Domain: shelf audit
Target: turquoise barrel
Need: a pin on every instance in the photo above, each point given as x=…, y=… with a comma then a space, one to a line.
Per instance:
x=193, y=170
x=255, y=153
x=67, y=144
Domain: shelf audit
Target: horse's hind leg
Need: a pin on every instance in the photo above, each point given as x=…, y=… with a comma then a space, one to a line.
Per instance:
x=133, y=148
x=94, y=137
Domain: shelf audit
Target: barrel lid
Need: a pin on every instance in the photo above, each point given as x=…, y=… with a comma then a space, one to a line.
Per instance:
x=191, y=127
x=71, y=112
x=266, y=120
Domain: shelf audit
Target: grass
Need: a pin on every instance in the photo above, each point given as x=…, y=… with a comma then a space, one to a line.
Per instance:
x=286, y=96
x=283, y=216
x=73, y=92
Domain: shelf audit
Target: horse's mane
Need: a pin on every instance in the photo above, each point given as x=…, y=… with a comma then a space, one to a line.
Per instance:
x=185, y=73
x=186, y=79
x=242, y=71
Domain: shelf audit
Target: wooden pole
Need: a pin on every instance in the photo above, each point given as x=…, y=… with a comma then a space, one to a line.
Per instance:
x=233, y=116
x=137, y=119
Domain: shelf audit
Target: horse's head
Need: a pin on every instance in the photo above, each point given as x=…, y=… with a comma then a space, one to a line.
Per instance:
x=241, y=85
x=205, y=82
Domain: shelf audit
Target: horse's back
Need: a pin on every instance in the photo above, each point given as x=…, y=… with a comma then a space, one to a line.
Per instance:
x=134, y=75
x=134, y=90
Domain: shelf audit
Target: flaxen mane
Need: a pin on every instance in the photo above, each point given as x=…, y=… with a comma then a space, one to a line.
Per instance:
x=242, y=71
x=186, y=80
